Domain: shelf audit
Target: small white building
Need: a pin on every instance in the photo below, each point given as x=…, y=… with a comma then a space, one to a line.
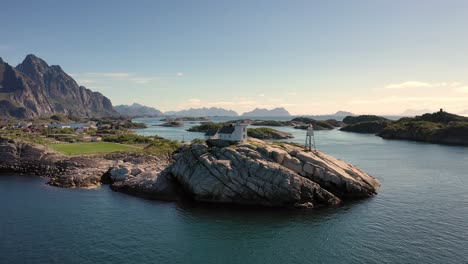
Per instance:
x=237, y=133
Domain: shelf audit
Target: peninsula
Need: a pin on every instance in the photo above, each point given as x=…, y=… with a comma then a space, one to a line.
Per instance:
x=254, y=173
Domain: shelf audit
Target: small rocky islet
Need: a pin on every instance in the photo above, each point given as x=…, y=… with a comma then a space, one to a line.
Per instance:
x=267, y=133
x=255, y=173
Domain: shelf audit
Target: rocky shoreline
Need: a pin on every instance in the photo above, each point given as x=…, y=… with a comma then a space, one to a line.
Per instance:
x=440, y=128
x=253, y=173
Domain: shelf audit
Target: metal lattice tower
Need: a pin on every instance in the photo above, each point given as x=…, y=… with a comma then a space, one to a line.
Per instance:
x=310, y=138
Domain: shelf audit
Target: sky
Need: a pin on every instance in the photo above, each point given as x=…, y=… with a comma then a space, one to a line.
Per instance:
x=311, y=57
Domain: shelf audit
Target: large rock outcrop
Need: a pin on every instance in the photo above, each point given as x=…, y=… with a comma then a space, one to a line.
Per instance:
x=252, y=173
x=33, y=88
x=260, y=173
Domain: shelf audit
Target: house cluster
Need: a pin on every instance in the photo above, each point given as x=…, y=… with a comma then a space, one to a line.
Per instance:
x=232, y=132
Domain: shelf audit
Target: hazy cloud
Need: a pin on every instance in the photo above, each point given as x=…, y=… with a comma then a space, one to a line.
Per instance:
x=419, y=84
x=110, y=74
x=396, y=99
x=123, y=76
x=462, y=89
x=405, y=85
x=143, y=80
x=195, y=102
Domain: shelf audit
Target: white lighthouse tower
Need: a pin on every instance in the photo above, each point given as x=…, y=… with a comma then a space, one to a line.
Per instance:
x=310, y=139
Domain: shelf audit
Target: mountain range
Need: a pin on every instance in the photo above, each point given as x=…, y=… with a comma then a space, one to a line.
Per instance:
x=198, y=112
x=33, y=88
x=343, y=114
x=137, y=110
x=279, y=111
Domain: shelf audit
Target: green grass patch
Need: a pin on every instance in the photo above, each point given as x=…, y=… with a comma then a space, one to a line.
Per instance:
x=89, y=148
x=162, y=146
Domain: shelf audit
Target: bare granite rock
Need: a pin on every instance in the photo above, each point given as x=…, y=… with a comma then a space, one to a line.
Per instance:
x=251, y=173
x=73, y=171
x=261, y=173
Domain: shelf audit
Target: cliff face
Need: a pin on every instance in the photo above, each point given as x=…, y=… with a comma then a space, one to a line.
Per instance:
x=34, y=88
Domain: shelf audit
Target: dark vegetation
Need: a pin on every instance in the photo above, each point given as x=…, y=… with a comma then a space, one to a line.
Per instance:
x=267, y=133
x=349, y=120
x=440, y=127
x=369, y=127
x=207, y=126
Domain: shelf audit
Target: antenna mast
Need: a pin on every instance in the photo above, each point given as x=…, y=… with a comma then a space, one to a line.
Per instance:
x=310, y=138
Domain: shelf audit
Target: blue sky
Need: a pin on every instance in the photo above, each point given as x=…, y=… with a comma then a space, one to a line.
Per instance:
x=312, y=57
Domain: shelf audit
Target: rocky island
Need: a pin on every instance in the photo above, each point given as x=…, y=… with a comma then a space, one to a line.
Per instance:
x=251, y=173
x=440, y=127
x=260, y=133
x=171, y=124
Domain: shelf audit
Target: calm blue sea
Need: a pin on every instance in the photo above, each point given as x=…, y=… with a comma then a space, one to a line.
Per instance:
x=419, y=216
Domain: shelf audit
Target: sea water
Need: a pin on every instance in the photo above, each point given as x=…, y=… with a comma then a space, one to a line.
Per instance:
x=419, y=216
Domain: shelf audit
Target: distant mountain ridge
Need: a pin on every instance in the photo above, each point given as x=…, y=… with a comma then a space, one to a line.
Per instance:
x=343, y=113
x=199, y=112
x=275, y=112
x=137, y=110
x=33, y=88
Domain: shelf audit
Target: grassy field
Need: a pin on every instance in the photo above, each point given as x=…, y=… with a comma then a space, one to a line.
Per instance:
x=92, y=148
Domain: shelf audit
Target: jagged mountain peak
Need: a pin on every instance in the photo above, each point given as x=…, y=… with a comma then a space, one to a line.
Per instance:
x=33, y=66
x=34, y=60
x=37, y=89
x=278, y=111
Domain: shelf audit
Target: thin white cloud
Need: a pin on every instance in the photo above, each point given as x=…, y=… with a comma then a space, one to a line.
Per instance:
x=180, y=74
x=143, y=80
x=110, y=74
x=195, y=102
x=419, y=84
x=122, y=76
x=410, y=84
x=462, y=89
x=397, y=99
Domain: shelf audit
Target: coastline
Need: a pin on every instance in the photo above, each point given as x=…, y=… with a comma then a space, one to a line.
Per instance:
x=170, y=178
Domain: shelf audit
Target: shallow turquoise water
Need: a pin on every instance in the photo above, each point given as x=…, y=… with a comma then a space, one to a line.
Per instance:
x=419, y=216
